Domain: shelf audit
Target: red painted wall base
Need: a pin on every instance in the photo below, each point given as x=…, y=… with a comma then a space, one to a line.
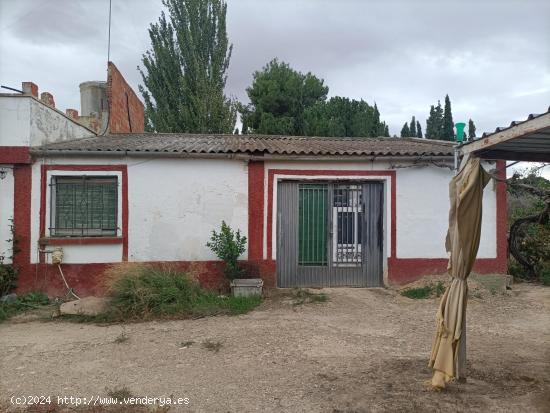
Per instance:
x=404, y=270
x=89, y=279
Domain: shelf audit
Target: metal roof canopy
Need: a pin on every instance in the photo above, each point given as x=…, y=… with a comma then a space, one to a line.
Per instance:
x=522, y=141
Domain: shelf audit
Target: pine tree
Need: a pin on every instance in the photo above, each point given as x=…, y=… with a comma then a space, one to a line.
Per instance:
x=405, y=132
x=471, y=129
x=447, y=132
x=412, y=128
x=185, y=70
x=386, y=131
x=418, y=130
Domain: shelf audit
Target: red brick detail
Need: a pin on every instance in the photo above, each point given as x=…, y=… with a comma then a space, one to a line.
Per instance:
x=255, y=210
x=22, y=175
x=15, y=154
x=86, y=240
x=126, y=112
x=47, y=98
x=72, y=113
x=502, y=220
x=81, y=241
x=89, y=279
x=273, y=172
x=30, y=88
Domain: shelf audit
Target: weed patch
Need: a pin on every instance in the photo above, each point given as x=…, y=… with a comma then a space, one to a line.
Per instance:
x=122, y=338
x=146, y=292
x=186, y=344
x=119, y=393
x=22, y=303
x=210, y=345
x=301, y=296
x=430, y=290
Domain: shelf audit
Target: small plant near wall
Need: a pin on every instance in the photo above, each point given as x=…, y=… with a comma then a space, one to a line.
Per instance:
x=228, y=245
x=8, y=272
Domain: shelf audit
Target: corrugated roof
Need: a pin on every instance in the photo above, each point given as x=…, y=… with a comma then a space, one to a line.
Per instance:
x=189, y=144
x=526, y=140
x=514, y=123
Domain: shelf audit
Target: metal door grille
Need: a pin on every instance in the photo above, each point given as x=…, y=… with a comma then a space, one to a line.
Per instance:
x=347, y=218
x=329, y=234
x=312, y=231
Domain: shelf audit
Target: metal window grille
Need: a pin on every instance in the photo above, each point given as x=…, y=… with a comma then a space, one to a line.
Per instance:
x=84, y=206
x=347, y=218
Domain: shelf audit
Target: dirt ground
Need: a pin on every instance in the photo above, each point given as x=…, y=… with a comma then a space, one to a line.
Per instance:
x=362, y=351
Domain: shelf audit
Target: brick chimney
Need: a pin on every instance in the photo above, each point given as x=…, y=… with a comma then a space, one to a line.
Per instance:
x=30, y=88
x=72, y=113
x=47, y=98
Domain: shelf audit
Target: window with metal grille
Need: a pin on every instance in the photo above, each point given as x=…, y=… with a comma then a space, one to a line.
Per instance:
x=84, y=206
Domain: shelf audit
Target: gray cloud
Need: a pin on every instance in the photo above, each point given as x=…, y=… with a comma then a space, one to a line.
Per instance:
x=491, y=57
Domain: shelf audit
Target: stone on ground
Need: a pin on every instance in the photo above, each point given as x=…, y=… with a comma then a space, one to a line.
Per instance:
x=85, y=306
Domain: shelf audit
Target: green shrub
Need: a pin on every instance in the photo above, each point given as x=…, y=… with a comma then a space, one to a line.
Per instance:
x=228, y=245
x=418, y=293
x=439, y=289
x=23, y=303
x=8, y=272
x=141, y=292
x=8, y=278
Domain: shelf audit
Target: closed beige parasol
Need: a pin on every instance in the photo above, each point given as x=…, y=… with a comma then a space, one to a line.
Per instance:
x=466, y=193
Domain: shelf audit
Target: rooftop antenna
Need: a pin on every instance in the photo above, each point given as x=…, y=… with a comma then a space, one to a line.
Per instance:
x=109, y=36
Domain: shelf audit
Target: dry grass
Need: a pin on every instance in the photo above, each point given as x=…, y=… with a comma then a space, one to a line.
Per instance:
x=210, y=345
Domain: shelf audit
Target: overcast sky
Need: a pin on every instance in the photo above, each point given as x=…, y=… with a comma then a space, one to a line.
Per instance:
x=491, y=57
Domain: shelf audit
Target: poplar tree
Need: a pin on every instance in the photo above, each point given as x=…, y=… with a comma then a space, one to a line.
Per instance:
x=185, y=70
x=471, y=129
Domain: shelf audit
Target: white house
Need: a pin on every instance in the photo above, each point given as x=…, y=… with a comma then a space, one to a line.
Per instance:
x=316, y=211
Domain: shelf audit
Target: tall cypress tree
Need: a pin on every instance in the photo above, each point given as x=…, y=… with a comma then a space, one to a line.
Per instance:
x=447, y=132
x=412, y=128
x=405, y=131
x=438, y=121
x=471, y=129
x=430, y=126
x=185, y=70
x=418, y=130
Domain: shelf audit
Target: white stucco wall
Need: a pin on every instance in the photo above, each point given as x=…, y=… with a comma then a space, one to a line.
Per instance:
x=24, y=121
x=174, y=204
x=49, y=125
x=15, y=115
x=6, y=212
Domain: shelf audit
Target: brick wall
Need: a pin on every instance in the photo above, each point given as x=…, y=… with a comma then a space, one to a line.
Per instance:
x=126, y=110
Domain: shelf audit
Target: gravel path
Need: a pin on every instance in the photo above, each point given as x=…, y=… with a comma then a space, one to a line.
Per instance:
x=362, y=351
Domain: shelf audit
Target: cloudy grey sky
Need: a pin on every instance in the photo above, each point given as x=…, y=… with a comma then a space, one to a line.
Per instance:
x=491, y=56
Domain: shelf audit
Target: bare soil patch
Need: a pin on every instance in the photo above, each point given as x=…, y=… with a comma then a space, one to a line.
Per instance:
x=360, y=351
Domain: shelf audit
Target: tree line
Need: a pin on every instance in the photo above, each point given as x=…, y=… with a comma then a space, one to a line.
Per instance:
x=184, y=75
x=439, y=124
